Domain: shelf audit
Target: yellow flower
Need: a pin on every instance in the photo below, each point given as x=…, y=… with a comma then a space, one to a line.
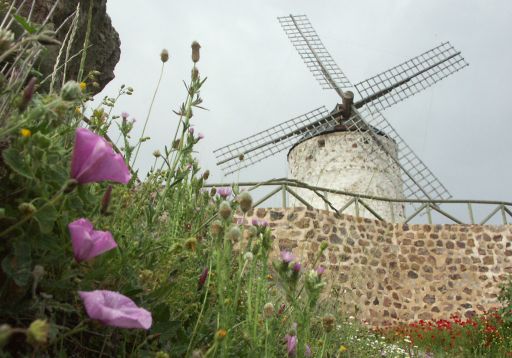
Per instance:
x=25, y=132
x=83, y=85
x=221, y=333
x=78, y=110
x=342, y=349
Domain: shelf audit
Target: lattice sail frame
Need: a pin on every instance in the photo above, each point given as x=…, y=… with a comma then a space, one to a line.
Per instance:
x=411, y=77
x=271, y=141
x=313, y=52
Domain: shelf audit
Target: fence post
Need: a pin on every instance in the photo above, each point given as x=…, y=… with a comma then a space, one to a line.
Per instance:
x=356, y=205
x=429, y=214
x=283, y=195
x=325, y=203
x=471, y=217
x=503, y=215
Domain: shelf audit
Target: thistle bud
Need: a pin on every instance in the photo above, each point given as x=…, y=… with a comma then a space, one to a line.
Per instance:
x=206, y=175
x=164, y=55
x=216, y=228
x=248, y=256
x=328, y=322
x=71, y=91
x=157, y=154
x=234, y=233
x=176, y=144
x=225, y=210
x=245, y=201
x=268, y=310
x=37, y=332
x=213, y=191
x=195, y=51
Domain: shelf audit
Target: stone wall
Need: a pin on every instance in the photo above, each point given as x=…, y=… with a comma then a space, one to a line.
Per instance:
x=397, y=272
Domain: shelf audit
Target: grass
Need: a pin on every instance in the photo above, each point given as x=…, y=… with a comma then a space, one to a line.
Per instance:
x=208, y=282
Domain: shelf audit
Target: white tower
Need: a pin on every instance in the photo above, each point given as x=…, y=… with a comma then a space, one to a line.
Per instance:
x=344, y=159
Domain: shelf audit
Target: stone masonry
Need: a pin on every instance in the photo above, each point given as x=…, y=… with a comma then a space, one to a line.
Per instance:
x=389, y=273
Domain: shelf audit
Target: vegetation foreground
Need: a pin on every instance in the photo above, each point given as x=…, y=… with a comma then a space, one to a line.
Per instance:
x=96, y=261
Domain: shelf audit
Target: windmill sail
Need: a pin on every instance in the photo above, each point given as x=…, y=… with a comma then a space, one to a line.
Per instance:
x=313, y=52
x=273, y=140
x=400, y=82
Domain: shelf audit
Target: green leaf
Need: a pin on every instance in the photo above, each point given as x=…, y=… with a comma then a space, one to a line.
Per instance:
x=46, y=217
x=25, y=24
x=17, y=266
x=16, y=162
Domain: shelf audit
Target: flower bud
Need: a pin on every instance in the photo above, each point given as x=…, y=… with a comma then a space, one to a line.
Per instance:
x=234, y=233
x=216, y=228
x=213, y=191
x=71, y=91
x=27, y=94
x=268, y=310
x=221, y=334
x=27, y=209
x=245, y=201
x=37, y=332
x=157, y=154
x=328, y=322
x=195, y=73
x=195, y=51
x=225, y=210
x=38, y=272
x=5, y=334
x=206, y=175
x=164, y=55
x=296, y=267
x=105, y=201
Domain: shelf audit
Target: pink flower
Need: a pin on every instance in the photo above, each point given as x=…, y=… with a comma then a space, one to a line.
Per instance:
x=262, y=223
x=224, y=192
x=94, y=160
x=307, y=351
x=320, y=270
x=125, y=115
x=114, y=309
x=287, y=256
x=191, y=130
x=291, y=345
x=87, y=242
x=200, y=136
x=296, y=267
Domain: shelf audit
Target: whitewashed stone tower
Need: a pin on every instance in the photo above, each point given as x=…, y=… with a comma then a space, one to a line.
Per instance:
x=342, y=159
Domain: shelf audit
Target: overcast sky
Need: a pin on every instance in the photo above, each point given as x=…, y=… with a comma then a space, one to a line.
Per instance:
x=460, y=127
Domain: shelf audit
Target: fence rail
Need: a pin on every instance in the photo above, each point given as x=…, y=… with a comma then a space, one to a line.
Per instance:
x=420, y=209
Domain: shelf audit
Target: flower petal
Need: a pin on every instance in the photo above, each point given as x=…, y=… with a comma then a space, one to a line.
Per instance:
x=88, y=243
x=114, y=309
x=94, y=160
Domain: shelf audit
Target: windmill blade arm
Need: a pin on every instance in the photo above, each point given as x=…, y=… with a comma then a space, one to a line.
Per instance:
x=400, y=82
x=273, y=140
x=418, y=180
x=313, y=52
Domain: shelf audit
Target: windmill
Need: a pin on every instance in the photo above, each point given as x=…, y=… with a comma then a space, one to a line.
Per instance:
x=356, y=124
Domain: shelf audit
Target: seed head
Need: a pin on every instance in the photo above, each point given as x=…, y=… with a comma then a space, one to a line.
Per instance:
x=245, y=200
x=71, y=91
x=216, y=228
x=195, y=51
x=157, y=154
x=164, y=55
x=37, y=332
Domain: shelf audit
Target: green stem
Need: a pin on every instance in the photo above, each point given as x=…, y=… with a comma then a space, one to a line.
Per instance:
x=324, y=344
x=149, y=113
x=86, y=42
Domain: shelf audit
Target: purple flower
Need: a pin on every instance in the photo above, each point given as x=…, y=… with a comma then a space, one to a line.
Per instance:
x=291, y=345
x=125, y=115
x=296, y=267
x=224, y=192
x=261, y=223
x=94, y=160
x=307, y=351
x=287, y=256
x=87, y=242
x=114, y=309
x=191, y=130
x=200, y=136
x=320, y=270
